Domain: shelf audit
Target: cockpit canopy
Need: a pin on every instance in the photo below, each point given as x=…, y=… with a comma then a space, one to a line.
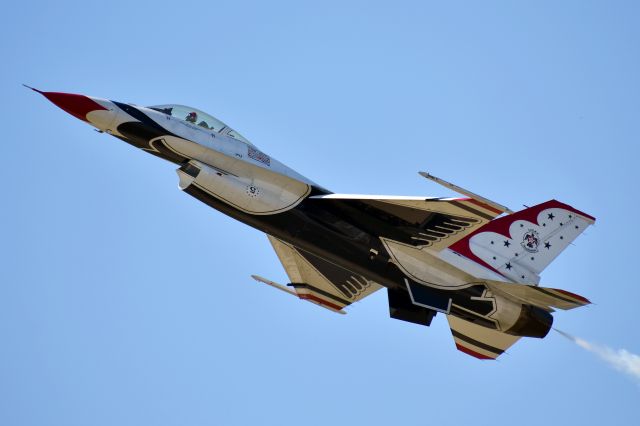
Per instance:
x=199, y=118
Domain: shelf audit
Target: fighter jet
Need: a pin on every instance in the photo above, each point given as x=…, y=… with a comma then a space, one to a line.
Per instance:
x=469, y=258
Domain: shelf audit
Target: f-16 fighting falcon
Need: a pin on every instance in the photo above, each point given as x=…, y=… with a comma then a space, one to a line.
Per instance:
x=469, y=258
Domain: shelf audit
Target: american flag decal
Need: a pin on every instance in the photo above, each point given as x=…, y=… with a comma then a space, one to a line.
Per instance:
x=259, y=156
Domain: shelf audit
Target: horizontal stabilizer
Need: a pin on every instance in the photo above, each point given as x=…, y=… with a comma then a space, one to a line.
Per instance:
x=542, y=297
x=478, y=341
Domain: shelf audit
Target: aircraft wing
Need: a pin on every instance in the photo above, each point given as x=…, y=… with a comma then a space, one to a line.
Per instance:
x=435, y=223
x=478, y=341
x=320, y=281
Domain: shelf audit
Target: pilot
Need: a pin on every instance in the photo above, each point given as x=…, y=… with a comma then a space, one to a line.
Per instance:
x=192, y=117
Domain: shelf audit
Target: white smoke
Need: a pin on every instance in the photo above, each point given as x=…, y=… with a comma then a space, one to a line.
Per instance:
x=620, y=359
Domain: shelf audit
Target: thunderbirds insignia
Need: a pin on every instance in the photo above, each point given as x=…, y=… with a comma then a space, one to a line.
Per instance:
x=530, y=241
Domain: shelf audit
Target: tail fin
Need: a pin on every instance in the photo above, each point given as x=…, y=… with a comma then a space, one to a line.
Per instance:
x=519, y=246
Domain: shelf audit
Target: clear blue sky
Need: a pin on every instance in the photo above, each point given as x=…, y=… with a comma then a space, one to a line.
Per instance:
x=126, y=302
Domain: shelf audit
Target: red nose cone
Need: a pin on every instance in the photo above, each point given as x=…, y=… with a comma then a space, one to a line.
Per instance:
x=77, y=105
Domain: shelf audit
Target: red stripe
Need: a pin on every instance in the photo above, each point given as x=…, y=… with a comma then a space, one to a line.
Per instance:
x=575, y=296
x=320, y=301
x=470, y=352
x=485, y=206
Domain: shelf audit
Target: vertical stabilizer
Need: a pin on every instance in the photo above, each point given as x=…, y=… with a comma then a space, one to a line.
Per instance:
x=519, y=246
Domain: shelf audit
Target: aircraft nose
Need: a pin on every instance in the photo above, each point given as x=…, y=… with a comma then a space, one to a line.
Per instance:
x=77, y=105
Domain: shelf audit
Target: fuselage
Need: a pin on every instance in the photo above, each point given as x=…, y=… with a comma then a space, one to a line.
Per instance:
x=219, y=167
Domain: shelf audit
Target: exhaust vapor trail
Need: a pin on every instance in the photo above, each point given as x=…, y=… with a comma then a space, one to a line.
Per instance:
x=620, y=359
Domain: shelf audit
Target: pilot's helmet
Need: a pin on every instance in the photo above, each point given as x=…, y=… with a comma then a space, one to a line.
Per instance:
x=192, y=117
